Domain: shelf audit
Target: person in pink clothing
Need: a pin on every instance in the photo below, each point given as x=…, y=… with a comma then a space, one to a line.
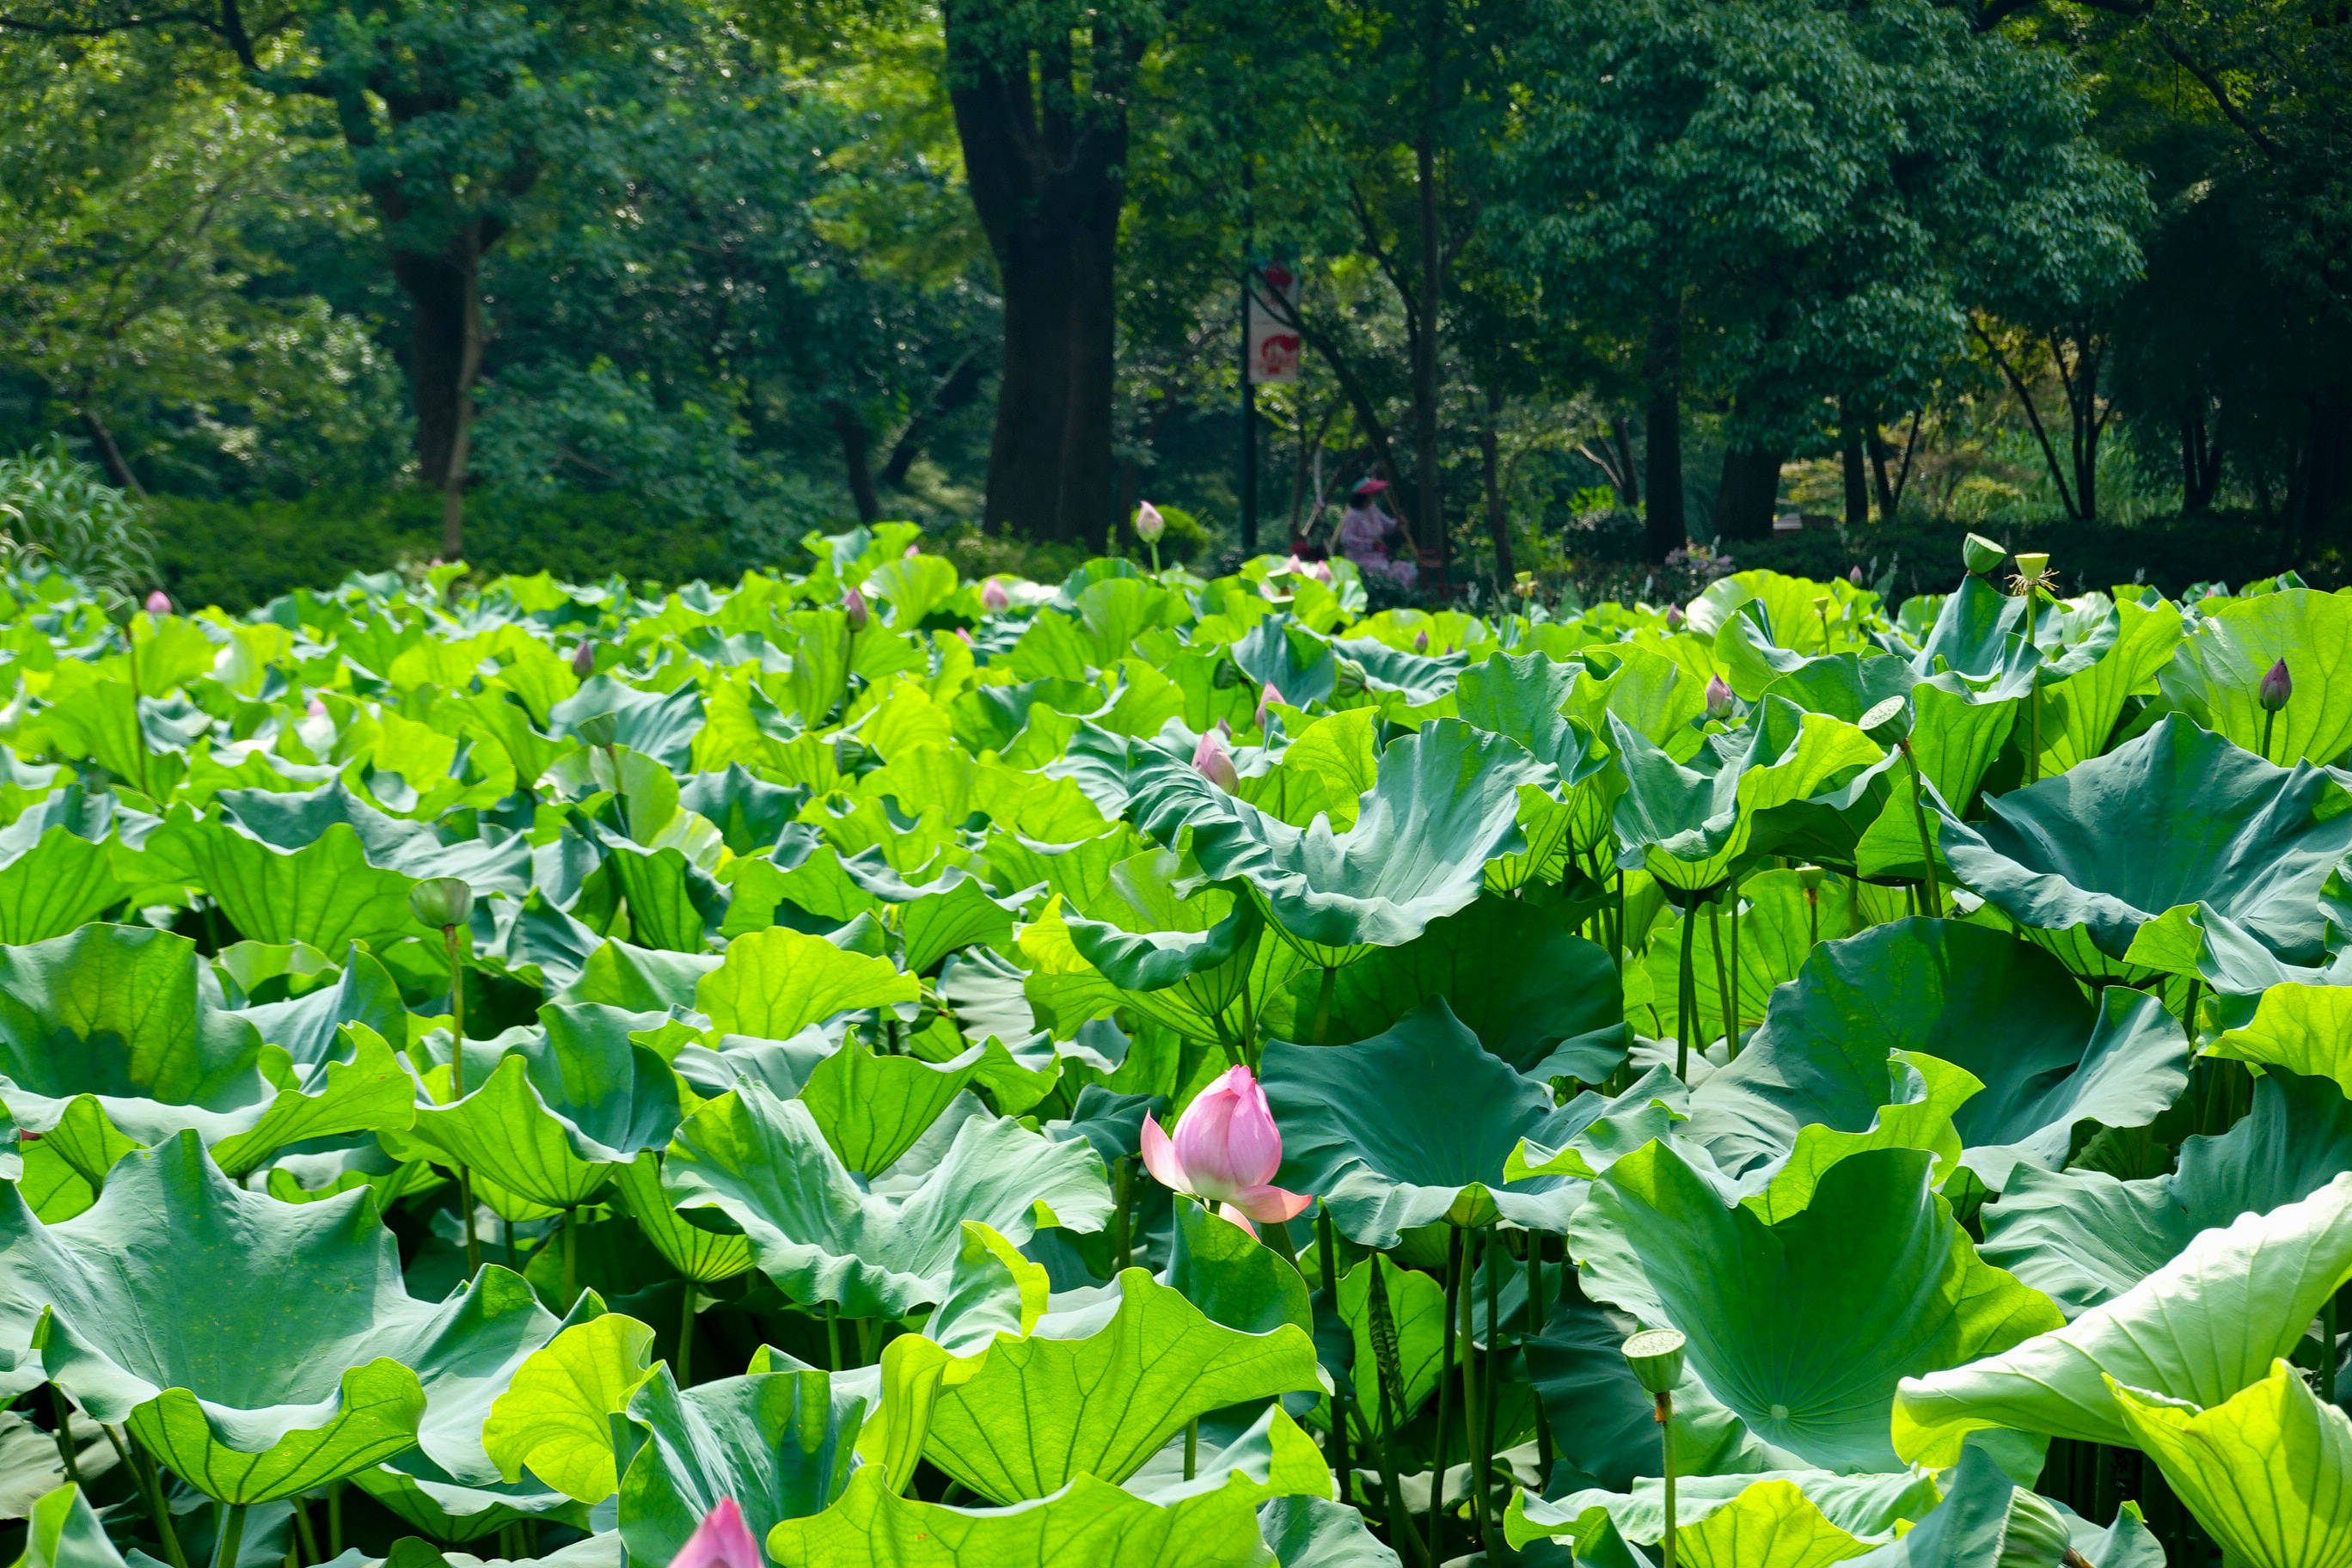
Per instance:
x=1363, y=534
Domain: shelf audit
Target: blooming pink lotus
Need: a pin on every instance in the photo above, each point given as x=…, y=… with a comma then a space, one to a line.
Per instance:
x=721, y=1541
x=993, y=597
x=1214, y=764
x=1226, y=1151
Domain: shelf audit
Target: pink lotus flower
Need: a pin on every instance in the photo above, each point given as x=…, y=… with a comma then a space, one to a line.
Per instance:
x=316, y=709
x=583, y=661
x=1214, y=764
x=853, y=604
x=1149, y=524
x=159, y=603
x=1718, y=699
x=721, y=1541
x=993, y=598
x=1226, y=1151
x=912, y=550
x=1266, y=694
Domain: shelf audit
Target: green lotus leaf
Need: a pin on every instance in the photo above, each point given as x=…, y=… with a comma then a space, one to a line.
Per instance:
x=1982, y=1520
x=659, y=725
x=2200, y=1328
x=563, y=1108
x=1801, y=1519
x=1087, y=1524
x=2267, y=1473
x=2080, y=710
x=1446, y=803
x=2084, y=861
x=324, y=893
x=1411, y=1126
x=872, y=1109
x=2216, y=673
x=781, y=1444
x=2304, y=1029
x=64, y=1531
x=1804, y=1326
x=1231, y=1277
x=54, y=879
x=305, y=1027
x=2005, y=1013
x=259, y=1349
x=1041, y=1411
x=416, y=1492
x=2083, y=1237
x=555, y=1416
x=764, y=1164
x=749, y=811
x=775, y=982
x=674, y=905
x=1316, y=1532
x=703, y=1255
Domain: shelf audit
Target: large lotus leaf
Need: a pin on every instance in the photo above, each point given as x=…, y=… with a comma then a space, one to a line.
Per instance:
x=261, y=1348
x=1089, y=1523
x=1978, y=634
x=64, y=1531
x=1541, y=998
x=2176, y=816
x=1182, y=957
x=1316, y=1532
x=1762, y=945
x=2215, y=677
x=872, y=1109
x=2268, y=1473
x=324, y=893
x=749, y=811
x=126, y=1013
x=763, y=1162
x=674, y=905
x=1804, y=1326
x=1800, y=1519
x=704, y=1256
x=775, y=982
x=2080, y=710
x=420, y=1494
x=2302, y=1028
x=1416, y=1304
x=1041, y=1411
x=2202, y=1327
x=2083, y=1238
x=2006, y=1013
x=1446, y=803
x=657, y=724
x=305, y=1027
x=1414, y=1126
x=490, y=861
x=1234, y=1281
x=1785, y=773
x=563, y=1108
x=55, y=879
x=780, y=1444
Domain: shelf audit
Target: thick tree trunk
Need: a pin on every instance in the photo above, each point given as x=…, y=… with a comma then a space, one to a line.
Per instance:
x=1668, y=529
x=1857, y=483
x=444, y=299
x=857, y=461
x=1752, y=484
x=1628, y=477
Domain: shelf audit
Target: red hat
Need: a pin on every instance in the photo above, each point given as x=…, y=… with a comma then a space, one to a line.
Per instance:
x=1370, y=487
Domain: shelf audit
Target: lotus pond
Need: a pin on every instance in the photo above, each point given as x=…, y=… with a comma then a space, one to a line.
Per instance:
x=865, y=1069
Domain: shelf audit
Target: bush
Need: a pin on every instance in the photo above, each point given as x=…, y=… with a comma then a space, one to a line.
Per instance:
x=56, y=508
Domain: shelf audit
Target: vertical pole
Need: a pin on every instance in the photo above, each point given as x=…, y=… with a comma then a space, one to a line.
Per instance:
x=1249, y=388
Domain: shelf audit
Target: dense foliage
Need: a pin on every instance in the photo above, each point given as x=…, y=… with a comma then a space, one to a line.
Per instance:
x=508, y=1072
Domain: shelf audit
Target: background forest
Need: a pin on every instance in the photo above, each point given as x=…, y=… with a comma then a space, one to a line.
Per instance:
x=1604, y=286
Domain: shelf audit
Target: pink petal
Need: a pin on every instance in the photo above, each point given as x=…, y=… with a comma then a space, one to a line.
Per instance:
x=1203, y=1141
x=1160, y=1157
x=721, y=1540
x=1271, y=1204
x=1227, y=1211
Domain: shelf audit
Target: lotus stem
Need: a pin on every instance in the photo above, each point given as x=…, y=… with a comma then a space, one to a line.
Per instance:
x=1494, y=1388
x=1686, y=999
x=2270, y=721
x=2327, y=1351
x=1473, y=1393
x=1122, y=1234
x=1665, y=1417
x=686, y=1340
x=1388, y=1379
x=2032, y=701
x=232, y=1535
x=305, y=1538
x=1537, y=1305
x=1154, y=548
x=1192, y=1446
x=571, y=1244
x=1275, y=1234
x=1327, y=1245
x=335, y=1520
x=2189, y=1011
x=1930, y=894
x=137, y=729
x=64, y=1408
x=1725, y=1005
x=1731, y=1002
x=832, y=1338
x=135, y=1458
x=450, y=943
x=1617, y=934
x=1445, y=1394
x=1323, y=1006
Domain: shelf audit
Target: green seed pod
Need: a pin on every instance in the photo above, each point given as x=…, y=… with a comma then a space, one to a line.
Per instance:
x=1808, y=877
x=1656, y=1357
x=2033, y=565
x=1980, y=555
x=441, y=903
x=1886, y=722
x=599, y=729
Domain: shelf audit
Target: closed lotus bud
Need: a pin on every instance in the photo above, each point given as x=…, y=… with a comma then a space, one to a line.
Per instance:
x=314, y=709
x=583, y=661
x=441, y=903
x=2032, y=564
x=1886, y=722
x=1149, y=524
x=2276, y=688
x=1656, y=1357
x=1421, y=642
x=912, y=550
x=850, y=755
x=599, y=729
x=993, y=598
x=1980, y=554
x=1266, y=694
x=721, y=1541
x=1854, y=577
x=1718, y=699
x=853, y=604
x=1351, y=678
x=1675, y=618
x=1214, y=764
x=159, y=603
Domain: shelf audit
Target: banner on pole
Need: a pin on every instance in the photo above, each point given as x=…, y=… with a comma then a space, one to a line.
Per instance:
x=1273, y=293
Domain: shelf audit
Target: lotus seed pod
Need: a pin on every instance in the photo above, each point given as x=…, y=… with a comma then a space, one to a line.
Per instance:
x=2276, y=688
x=1809, y=878
x=599, y=729
x=1886, y=722
x=1980, y=555
x=441, y=903
x=1656, y=1357
x=2032, y=564
x=1149, y=524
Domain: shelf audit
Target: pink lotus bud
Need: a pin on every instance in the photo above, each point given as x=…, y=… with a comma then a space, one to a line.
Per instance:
x=1854, y=577
x=1266, y=694
x=1149, y=524
x=853, y=604
x=721, y=1541
x=1718, y=700
x=993, y=598
x=1421, y=642
x=159, y=603
x=912, y=550
x=1226, y=1151
x=2276, y=688
x=583, y=661
x=315, y=709
x=1675, y=618
x=1319, y=569
x=1214, y=764
x=964, y=635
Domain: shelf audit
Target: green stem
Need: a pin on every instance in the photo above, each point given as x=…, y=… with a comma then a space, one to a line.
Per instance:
x=64, y=1408
x=1738, y=1014
x=1666, y=1418
x=2270, y=721
x=1537, y=1305
x=232, y=1535
x=1329, y=1247
x=1444, y=1394
x=833, y=1336
x=1473, y=1388
x=1192, y=1446
x=1812, y=919
x=1122, y=1230
x=1494, y=1364
x=1155, y=557
x=1686, y=999
x=135, y=1458
x=686, y=1338
x=450, y=940
x=1926, y=846
x=2328, y=1354
x=1725, y=1009
x=2033, y=701
x=570, y=1258
x=1617, y=935
x=137, y=729
x=304, y=1534
x=1275, y=1234
x=335, y=1520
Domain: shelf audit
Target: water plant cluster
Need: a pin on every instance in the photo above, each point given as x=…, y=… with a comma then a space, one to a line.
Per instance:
x=870, y=1069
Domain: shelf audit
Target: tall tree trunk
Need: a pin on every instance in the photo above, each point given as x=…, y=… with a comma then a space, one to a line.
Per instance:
x=1490, y=460
x=1751, y=485
x=445, y=297
x=110, y=456
x=1857, y=483
x=1628, y=478
x=1668, y=529
x=1043, y=165
x=857, y=459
